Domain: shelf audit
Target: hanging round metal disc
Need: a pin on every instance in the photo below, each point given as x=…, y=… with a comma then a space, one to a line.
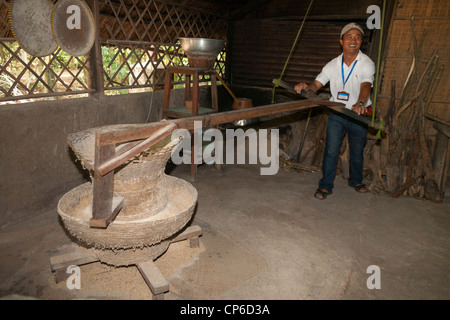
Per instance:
x=31, y=25
x=73, y=26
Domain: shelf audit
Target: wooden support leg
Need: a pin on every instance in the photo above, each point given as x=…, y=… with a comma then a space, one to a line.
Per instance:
x=194, y=150
x=192, y=232
x=195, y=93
x=60, y=263
x=154, y=279
x=102, y=185
x=214, y=96
x=187, y=88
x=167, y=88
x=194, y=242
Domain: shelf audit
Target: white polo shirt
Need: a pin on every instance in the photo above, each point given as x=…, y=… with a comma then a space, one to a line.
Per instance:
x=363, y=71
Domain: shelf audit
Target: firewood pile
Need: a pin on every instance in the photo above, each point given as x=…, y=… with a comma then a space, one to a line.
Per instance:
x=401, y=163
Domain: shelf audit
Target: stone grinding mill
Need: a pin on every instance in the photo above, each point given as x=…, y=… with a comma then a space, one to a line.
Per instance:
x=154, y=207
x=131, y=211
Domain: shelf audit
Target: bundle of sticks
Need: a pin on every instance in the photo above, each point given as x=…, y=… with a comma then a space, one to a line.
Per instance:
x=402, y=162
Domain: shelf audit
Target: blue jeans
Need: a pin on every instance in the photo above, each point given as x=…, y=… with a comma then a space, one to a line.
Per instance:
x=357, y=137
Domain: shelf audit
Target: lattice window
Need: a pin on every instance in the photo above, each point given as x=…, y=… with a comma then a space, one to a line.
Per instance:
x=156, y=21
x=27, y=77
x=133, y=67
x=149, y=30
x=139, y=39
x=24, y=77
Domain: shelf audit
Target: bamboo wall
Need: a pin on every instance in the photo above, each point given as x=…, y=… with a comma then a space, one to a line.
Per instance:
x=432, y=21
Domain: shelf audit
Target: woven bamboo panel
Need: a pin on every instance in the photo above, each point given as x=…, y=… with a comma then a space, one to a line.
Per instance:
x=407, y=8
x=435, y=32
x=414, y=22
x=156, y=21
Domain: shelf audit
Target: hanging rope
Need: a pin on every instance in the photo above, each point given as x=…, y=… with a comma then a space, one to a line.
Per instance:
x=292, y=50
x=374, y=104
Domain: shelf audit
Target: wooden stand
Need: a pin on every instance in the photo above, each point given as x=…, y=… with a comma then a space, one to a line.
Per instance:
x=149, y=271
x=192, y=101
x=194, y=73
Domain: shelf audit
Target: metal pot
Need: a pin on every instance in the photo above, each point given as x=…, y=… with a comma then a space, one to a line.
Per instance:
x=242, y=103
x=201, y=52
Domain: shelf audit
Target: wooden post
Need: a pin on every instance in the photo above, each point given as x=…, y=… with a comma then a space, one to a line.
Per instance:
x=103, y=186
x=95, y=56
x=154, y=279
x=195, y=94
x=214, y=97
x=167, y=88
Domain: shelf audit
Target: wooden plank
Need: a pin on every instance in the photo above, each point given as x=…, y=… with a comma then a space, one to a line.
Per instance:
x=78, y=258
x=153, y=277
x=117, y=205
x=102, y=185
x=212, y=119
x=363, y=119
x=190, y=232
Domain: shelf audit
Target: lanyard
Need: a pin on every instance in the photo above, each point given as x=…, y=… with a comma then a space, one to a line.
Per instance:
x=348, y=76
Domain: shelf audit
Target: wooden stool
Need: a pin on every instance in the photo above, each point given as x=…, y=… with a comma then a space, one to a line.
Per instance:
x=192, y=76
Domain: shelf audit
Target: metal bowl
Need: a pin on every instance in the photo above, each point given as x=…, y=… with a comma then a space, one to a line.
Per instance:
x=201, y=47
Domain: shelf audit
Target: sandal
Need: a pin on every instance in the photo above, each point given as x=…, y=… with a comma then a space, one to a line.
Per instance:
x=361, y=188
x=321, y=195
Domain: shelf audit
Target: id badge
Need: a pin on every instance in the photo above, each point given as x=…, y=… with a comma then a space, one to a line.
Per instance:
x=344, y=96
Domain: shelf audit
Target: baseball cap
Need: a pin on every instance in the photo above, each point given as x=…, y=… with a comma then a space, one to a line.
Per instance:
x=349, y=27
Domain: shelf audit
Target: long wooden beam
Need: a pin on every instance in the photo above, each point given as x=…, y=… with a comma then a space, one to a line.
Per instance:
x=211, y=119
x=108, y=156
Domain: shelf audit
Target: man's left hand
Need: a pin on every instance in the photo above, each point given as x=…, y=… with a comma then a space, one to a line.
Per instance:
x=359, y=109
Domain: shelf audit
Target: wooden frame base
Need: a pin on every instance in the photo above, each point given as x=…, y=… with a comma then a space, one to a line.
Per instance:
x=149, y=271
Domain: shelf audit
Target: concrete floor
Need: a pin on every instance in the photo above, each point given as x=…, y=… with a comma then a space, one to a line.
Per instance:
x=313, y=249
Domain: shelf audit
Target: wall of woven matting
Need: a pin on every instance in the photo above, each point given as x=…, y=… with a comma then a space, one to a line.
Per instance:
x=429, y=23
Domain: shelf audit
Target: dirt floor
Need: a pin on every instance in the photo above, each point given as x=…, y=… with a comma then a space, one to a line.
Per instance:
x=264, y=237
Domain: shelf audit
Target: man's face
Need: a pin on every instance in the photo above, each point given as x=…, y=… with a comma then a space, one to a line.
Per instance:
x=351, y=41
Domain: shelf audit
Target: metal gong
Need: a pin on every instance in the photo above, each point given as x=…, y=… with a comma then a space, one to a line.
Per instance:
x=31, y=25
x=73, y=26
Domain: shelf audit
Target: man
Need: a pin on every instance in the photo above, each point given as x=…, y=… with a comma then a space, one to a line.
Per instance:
x=351, y=77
